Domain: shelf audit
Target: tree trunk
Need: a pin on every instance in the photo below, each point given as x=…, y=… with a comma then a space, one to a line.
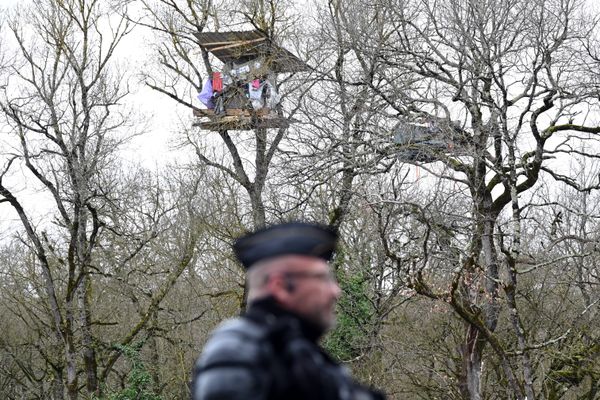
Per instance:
x=71, y=358
x=154, y=355
x=89, y=352
x=57, y=385
x=472, y=365
x=258, y=208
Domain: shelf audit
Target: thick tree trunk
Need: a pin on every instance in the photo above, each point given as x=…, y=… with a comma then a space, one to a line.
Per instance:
x=258, y=208
x=72, y=383
x=262, y=170
x=89, y=352
x=57, y=385
x=485, y=278
x=83, y=297
x=154, y=355
x=472, y=365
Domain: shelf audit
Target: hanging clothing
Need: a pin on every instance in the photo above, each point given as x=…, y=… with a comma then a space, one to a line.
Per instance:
x=206, y=95
x=271, y=95
x=217, y=82
x=255, y=94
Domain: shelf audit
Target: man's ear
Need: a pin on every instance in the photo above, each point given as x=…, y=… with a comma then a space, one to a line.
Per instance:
x=279, y=288
x=290, y=285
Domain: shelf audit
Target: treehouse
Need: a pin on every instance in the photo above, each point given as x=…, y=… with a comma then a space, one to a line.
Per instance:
x=425, y=143
x=243, y=95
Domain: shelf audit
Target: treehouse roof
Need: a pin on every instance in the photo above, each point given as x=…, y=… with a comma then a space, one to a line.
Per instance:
x=241, y=47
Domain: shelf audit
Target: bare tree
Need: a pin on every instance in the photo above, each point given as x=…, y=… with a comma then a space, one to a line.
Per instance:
x=500, y=81
x=338, y=139
x=63, y=99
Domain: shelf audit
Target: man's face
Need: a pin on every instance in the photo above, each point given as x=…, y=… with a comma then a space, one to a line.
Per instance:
x=309, y=289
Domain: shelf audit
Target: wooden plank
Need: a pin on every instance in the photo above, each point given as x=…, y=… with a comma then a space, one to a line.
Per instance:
x=248, y=113
x=202, y=112
x=240, y=43
x=243, y=123
x=237, y=112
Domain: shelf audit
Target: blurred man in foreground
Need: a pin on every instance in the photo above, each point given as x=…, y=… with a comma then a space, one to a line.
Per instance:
x=272, y=351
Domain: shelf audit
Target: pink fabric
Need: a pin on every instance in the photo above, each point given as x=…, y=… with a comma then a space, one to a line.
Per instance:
x=217, y=82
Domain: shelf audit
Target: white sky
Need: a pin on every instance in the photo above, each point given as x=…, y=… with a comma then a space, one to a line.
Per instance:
x=8, y=3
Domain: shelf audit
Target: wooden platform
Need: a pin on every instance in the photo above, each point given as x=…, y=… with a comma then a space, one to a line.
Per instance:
x=201, y=113
x=238, y=119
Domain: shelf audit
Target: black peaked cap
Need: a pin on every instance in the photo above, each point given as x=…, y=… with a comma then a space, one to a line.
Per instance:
x=299, y=238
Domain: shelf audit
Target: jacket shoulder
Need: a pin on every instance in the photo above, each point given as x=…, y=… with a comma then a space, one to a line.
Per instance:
x=232, y=363
x=237, y=341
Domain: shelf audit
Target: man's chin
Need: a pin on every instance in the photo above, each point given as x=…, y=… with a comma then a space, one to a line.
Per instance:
x=329, y=324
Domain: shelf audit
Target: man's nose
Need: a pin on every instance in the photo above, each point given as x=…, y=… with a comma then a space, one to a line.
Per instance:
x=337, y=291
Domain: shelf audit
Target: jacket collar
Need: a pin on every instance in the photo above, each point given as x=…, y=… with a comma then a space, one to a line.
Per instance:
x=269, y=311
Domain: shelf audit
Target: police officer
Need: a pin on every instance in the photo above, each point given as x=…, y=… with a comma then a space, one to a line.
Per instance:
x=272, y=351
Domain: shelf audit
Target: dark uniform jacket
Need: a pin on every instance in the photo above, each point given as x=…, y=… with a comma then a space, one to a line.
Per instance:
x=269, y=354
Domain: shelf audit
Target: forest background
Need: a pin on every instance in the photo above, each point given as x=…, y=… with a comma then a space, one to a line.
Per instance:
x=471, y=276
